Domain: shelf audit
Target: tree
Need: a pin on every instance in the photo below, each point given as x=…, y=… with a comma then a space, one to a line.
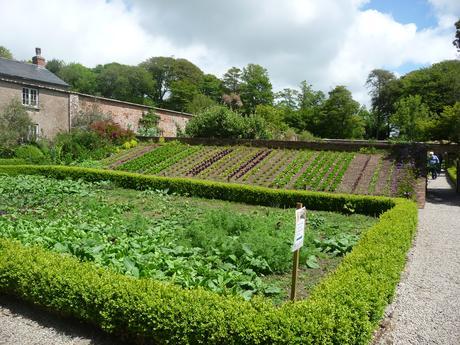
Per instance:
x=382, y=99
x=176, y=81
x=15, y=124
x=231, y=81
x=55, y=65
x=448, y=124
x=5, y=53
x=339, y=116
x=412, y=118
x=212, y=87
x=123, y=82
x=437, y=85
x=308, y=98
x=456, y=41
x=273, y=118
x=287, y=99
x=256, y=88
x=80, y=78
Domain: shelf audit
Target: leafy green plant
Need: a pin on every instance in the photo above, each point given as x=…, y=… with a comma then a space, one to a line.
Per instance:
x=30, y=153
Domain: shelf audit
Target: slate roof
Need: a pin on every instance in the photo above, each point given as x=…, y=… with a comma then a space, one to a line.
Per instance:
x=30, y=72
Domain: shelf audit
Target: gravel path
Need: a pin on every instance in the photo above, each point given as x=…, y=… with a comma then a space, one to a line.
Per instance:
x=426, y=309
x=23, y=324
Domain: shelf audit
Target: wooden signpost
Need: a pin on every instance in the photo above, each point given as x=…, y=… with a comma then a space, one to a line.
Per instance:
x=300, y=221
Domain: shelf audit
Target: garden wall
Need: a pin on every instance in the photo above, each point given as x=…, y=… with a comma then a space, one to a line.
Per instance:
x=128, y=114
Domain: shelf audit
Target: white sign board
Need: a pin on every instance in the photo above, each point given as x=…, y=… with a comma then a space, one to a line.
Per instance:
x=300, y=220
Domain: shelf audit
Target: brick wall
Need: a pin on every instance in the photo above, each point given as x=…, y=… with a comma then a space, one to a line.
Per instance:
x=128, y=114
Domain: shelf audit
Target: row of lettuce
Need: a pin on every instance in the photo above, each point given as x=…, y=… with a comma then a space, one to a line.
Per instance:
x=344, y=308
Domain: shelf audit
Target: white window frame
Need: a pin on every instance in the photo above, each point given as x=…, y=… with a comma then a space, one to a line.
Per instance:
x=30, y=97
x=34, y=132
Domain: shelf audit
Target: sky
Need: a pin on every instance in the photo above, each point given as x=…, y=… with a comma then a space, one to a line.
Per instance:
x=325, y=42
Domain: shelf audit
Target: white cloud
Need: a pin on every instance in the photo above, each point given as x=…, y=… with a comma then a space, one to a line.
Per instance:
x=326, y=42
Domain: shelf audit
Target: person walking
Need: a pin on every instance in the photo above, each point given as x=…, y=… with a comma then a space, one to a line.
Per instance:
x=433, y=162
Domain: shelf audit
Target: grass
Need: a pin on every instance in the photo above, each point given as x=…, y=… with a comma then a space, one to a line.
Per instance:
x=229, y=248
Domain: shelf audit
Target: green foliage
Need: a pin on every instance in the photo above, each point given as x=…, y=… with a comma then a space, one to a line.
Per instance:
x=55, y=65
x=123, y=82
x=15, y=124
x=176, y=81
x=80, y=78
x=79, y=145
x=5, y=53
x=216, y=122
x=380, y=83
x=452, y=174
x=200, y=103
x=256, y=88
x=367, y=205
x=30, y=153
x=12, y=161
x=412, y=118
x=339, y=116
x=148, y=124
x=344, y=308
x=448, y=123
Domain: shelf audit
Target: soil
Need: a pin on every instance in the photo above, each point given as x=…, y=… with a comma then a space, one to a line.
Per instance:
x=182, y=167
x=363, y=184
x=381, y=184
x=132, y=155
x=351, y=177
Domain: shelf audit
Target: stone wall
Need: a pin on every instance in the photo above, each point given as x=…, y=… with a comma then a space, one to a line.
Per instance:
x=51, y=114
x=128, y=114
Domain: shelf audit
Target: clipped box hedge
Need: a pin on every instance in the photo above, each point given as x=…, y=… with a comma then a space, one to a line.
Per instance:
x=344, y=308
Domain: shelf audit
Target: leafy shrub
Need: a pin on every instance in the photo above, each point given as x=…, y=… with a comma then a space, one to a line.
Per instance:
x=79, y=145
x=452, y=174
x=216, y=122
x=30, y=153
x=12, y=161
x=15, y=125
x=112, y=132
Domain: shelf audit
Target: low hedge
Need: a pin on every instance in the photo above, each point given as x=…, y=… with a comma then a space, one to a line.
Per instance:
x=344, y=308
x=12, y=161
x=368, y=205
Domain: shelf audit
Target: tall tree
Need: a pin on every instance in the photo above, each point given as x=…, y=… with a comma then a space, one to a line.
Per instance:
x=379, y=83
x=308, y=98
x=448, y=123
x=211, y=87
x=287, y=98
x=456, y=41
x=412, y=118
x=256, y=88
x=55, y=65
x=231, y=81
x=339, y=116
x=123, y=82
x=176, y=81
x=5, y=53
x=80, y=78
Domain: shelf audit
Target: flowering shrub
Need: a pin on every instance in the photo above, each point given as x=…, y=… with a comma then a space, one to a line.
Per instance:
x=112, y=131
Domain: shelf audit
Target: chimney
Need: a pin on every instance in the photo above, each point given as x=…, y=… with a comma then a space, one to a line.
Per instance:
x=38, y=59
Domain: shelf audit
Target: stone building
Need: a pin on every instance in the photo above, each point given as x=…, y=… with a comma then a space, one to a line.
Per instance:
x=52, y=106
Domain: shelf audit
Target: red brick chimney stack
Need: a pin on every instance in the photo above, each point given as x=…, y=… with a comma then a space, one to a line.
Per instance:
x=38, y=59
